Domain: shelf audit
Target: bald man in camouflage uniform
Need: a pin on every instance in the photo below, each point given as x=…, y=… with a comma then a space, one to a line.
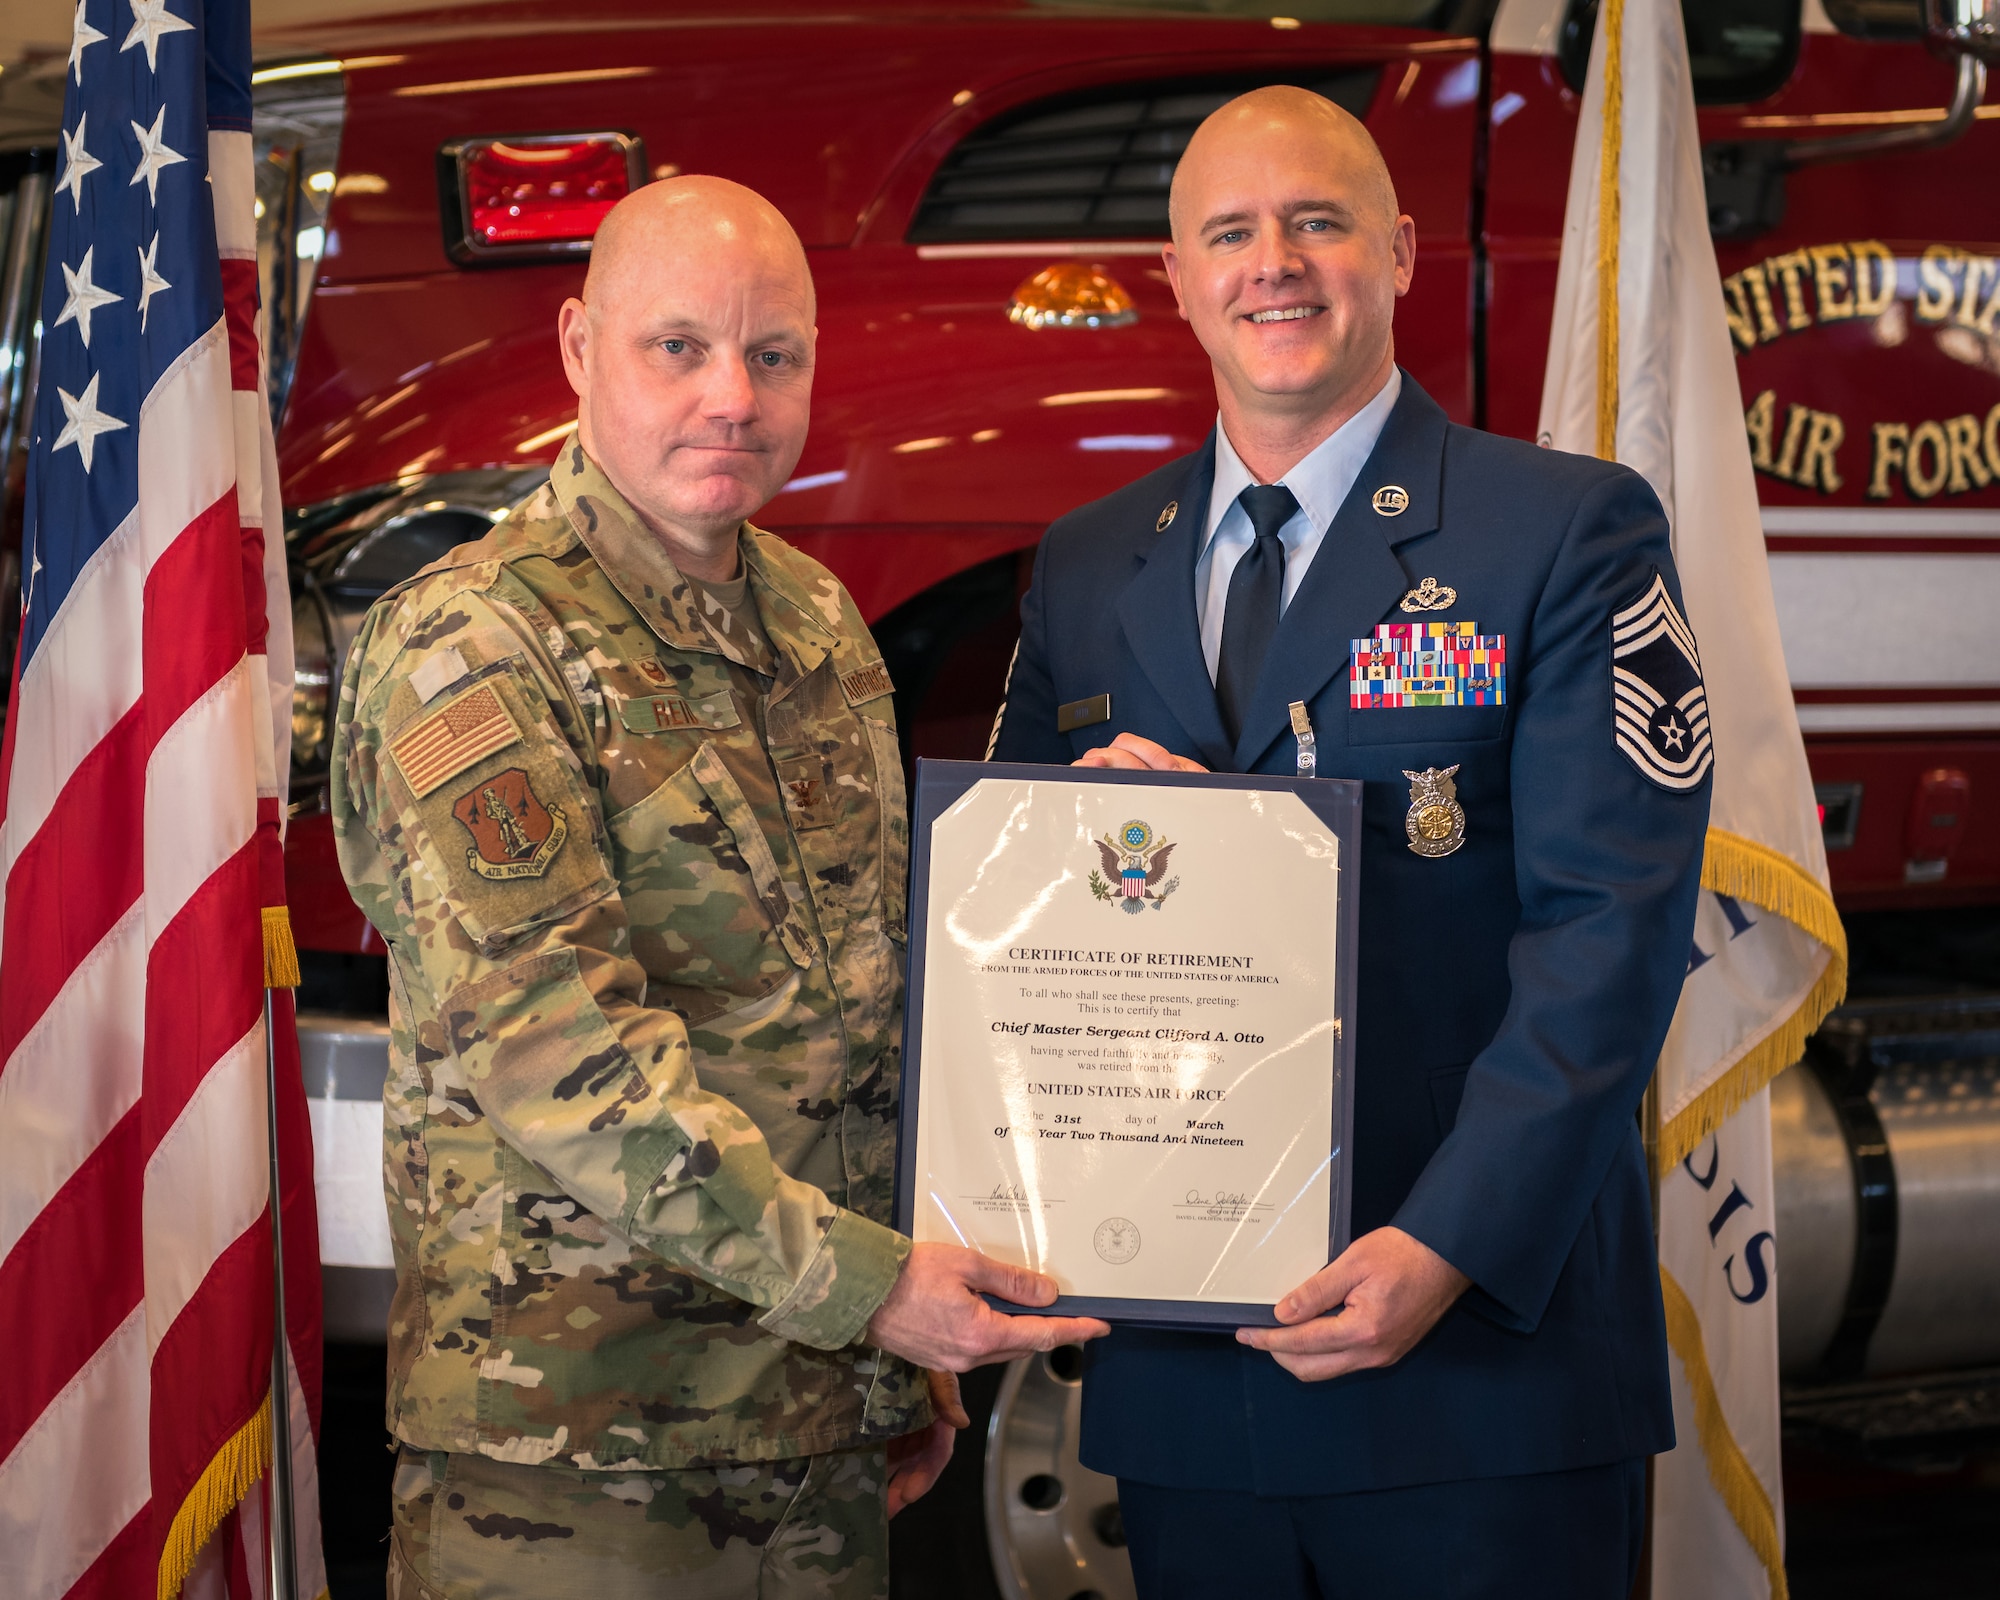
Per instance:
x=620, y=786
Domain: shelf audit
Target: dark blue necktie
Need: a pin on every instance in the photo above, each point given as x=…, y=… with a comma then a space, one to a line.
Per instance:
x=1250, y=617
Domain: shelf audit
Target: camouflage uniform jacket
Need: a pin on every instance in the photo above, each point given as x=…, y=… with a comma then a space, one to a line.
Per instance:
x=644, y=908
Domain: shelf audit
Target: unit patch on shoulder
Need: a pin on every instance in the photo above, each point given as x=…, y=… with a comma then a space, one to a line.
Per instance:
x=465, y=729
x=1659, y=707
x=865, y=683
x=513, y=834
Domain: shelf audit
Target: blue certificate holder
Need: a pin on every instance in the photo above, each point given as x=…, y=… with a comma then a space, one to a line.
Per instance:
x=1128, y=1042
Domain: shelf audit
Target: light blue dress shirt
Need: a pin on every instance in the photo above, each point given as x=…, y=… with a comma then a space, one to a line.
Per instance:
x=1320, y=483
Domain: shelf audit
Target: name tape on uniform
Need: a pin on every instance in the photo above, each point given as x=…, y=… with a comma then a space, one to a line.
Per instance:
x=660, y=713
x=1085, y=713
x=466, y=728
x=865, y=683
x=1428, y=664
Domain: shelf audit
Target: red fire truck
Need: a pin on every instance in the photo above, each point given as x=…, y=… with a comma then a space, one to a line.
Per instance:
x=981, y=186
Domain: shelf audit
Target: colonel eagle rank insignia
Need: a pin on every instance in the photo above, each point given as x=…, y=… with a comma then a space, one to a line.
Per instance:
x=1658, y=705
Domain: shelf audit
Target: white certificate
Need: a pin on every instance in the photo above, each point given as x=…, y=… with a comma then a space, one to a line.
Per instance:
x=1127, y=1057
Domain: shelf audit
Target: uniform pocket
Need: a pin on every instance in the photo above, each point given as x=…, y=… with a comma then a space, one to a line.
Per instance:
x=1425, y=724
x=895, y=831
x=710, y=918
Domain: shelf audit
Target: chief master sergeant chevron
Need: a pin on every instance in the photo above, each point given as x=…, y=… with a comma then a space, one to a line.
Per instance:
x=1488, y=636
x=619, y=784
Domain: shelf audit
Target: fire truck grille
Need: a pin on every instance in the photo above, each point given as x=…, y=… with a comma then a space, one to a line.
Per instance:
x=1097, y=165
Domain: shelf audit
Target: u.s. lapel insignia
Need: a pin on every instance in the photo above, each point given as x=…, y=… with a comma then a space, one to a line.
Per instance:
x=1392, y=500
x=1430, y=595
x=1435, y=821
x=1167, y=516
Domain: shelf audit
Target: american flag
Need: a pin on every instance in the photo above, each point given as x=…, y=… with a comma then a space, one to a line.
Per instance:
x=140, y=861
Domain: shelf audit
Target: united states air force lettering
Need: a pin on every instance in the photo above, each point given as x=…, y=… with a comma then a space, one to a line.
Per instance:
x=1950, y=294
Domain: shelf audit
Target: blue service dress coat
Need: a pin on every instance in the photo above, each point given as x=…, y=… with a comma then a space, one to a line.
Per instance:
x=1513, y=994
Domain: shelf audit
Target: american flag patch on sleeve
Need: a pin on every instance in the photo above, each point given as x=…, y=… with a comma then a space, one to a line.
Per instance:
x=445, y=742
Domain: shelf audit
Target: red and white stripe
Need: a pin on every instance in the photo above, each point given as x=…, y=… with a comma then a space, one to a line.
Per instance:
x=135, y=855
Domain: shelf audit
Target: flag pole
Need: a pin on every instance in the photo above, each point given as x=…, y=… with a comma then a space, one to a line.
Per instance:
x=1610, y=156
x=1649, y=1138
x=284, y=1570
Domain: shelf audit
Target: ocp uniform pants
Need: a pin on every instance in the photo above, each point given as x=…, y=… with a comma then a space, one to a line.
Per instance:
x=469, y=1528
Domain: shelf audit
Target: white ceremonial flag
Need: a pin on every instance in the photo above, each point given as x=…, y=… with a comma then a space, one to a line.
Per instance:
x=1641, y=370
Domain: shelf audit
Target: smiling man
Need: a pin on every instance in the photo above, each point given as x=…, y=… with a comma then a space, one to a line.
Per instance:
x=619, y=785
x=1488, y=636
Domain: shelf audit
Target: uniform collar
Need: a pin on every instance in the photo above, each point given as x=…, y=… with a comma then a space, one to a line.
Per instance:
x=641, y=570
x=1357, y=576
x=1321, y=479
x=802, y=624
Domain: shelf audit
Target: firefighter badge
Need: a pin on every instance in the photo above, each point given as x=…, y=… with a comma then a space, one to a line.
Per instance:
x=1435, y=821
x=513, y=834
x=1659, y=709
x=1134, y=863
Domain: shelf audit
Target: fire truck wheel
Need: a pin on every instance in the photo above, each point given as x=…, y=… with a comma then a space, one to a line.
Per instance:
x=1052, y=1525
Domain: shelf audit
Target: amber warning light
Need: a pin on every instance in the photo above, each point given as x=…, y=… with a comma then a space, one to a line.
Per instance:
x=537, y=195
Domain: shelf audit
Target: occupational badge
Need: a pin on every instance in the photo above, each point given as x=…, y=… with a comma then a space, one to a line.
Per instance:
x=513, y=834
x=1134, y=863
x=1392, y=500
x=1430, y=595
x=1659, y=709
x=1435, y=821
x=1167, y=517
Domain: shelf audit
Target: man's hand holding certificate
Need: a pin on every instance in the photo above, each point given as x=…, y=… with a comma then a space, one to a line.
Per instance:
x=1386, y=1290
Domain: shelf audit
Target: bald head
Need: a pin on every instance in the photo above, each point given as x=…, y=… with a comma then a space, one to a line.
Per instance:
x=1295, y=123
x=691, y=353
x=1287, y=258
x=687, y=226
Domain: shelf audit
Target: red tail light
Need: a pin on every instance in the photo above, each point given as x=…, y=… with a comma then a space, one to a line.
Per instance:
x=1936, y=823
x=536, y=195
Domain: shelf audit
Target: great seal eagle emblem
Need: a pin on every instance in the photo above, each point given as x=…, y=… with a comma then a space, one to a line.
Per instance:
x=1134, y=864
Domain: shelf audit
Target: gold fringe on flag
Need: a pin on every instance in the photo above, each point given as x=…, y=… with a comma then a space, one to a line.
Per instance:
x=1728, y=1469
x=1745, y=870
x=224, y=1481
x=281, y=956
x=1609, y=154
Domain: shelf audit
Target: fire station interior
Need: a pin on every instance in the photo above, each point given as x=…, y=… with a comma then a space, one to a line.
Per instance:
x=420, y=187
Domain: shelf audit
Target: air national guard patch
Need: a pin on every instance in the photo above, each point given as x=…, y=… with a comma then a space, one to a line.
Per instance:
x=1659, y=708
x=513, y=834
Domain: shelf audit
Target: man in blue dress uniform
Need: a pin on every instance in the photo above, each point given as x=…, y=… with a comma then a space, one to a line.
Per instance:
x=1489, y=636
